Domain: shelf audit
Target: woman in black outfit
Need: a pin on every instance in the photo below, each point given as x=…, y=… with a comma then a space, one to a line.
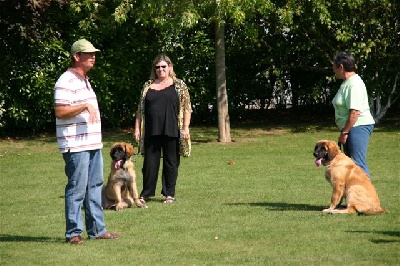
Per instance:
x=162, y=126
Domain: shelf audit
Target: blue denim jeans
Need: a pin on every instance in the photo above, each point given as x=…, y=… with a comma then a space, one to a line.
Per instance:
x=85, y=180
x=357, y=145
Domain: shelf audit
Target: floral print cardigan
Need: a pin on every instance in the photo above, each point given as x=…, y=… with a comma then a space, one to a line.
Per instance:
x=184, y=108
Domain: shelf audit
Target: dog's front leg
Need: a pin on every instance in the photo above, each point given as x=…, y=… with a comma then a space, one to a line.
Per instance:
x=337, y=194
x=135, y=195
x=119, y=206
x=133, y=190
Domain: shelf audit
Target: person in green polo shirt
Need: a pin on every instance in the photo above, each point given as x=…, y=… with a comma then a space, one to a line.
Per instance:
x=352, y=112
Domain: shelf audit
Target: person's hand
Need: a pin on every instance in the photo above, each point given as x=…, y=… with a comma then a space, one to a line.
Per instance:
x=343, y=138
x=185, y=133
x=137, y=135
x=93, y=115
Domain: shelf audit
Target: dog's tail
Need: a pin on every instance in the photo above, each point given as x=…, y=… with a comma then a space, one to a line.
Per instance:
x=374, y=211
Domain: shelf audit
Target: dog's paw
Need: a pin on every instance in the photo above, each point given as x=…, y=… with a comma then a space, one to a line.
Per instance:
x=119, y=207
x=141, y=205
x=329, y=210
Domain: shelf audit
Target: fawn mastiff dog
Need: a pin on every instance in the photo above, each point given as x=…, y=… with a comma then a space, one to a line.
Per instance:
x=121, y=191
x=348, y=181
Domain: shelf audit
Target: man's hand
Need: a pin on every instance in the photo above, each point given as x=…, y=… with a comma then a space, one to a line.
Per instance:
x=93, y=116
x=68, y=111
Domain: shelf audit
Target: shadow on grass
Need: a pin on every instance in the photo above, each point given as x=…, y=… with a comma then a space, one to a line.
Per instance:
x=16, y=238
x=281, y=206
x=384, y=241
x=385, y=233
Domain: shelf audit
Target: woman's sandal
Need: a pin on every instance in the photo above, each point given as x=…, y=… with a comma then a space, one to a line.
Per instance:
x=168, y=200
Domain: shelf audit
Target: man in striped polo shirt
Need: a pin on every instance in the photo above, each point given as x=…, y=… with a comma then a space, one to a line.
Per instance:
x=79, y=139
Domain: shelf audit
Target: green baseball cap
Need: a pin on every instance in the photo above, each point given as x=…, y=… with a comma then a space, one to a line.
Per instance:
x=83, y=46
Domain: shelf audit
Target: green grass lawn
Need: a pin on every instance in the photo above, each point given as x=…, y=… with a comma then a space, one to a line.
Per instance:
x=265, y=209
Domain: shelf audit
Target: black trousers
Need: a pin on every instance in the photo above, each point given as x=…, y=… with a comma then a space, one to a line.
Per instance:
x=152, y=157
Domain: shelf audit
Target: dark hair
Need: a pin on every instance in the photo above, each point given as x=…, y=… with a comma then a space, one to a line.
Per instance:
x=345, y=59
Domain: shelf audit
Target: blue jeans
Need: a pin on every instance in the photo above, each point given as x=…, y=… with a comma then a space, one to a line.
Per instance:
x=85, y=180
x=357, y=145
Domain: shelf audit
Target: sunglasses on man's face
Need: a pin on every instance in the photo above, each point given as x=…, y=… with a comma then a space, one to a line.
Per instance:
x=158, y=67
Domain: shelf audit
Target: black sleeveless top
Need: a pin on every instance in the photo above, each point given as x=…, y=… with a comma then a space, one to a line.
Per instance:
x=161, y=112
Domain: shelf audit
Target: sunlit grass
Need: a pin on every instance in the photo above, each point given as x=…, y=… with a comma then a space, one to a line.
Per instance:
x=254, y=201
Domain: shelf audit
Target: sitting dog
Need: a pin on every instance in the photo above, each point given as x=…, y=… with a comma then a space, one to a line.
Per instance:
x=348, y=181
x=121, y=191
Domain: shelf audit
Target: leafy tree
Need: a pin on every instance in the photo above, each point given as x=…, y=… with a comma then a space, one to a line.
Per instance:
x=368, y=28
x=187, y=13
x=30, y=56
x=262, y=54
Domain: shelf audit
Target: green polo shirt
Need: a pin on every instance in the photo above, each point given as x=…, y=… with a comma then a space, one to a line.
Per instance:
x=352, y=94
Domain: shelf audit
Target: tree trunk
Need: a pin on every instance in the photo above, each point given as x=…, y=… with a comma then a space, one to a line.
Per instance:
x=379, y=111
x=224, y=128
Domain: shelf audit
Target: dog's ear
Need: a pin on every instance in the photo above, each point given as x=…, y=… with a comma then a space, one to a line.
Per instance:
x=129, y=150
x=333, y=149
x=112, y=150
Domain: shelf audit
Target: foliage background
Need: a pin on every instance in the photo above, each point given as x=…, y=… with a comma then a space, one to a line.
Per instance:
x=277, y=54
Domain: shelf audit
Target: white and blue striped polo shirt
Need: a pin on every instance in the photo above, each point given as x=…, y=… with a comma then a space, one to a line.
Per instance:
x=77, y=134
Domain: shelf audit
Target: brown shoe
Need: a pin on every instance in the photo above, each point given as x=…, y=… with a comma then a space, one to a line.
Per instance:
x=108, y=235
x=75, y=240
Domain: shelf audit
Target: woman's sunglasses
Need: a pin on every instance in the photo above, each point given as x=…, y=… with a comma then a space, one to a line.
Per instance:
x=158, y=67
